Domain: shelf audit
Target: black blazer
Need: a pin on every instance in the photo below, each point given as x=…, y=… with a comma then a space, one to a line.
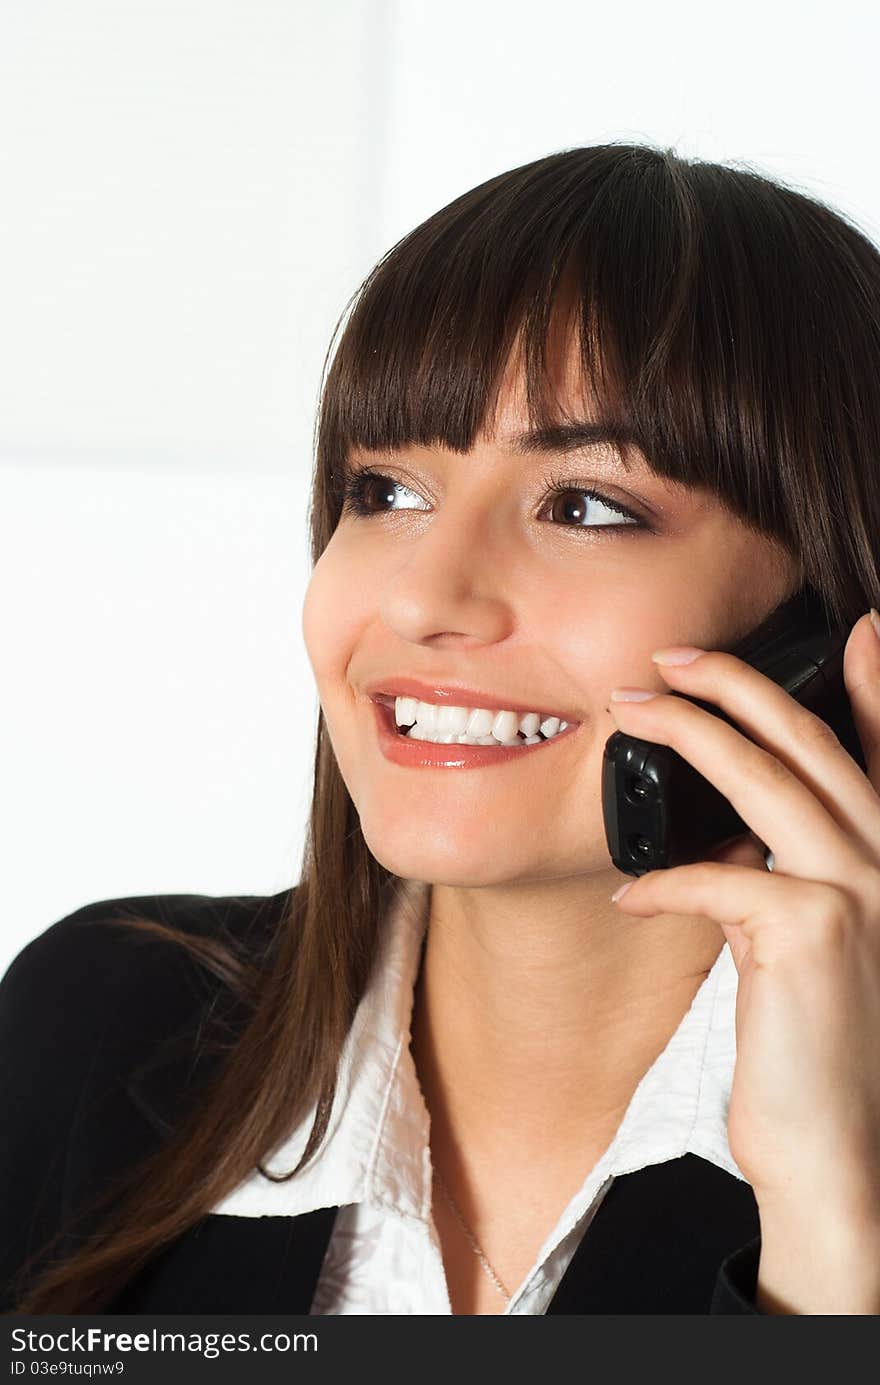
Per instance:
x=98, y=1031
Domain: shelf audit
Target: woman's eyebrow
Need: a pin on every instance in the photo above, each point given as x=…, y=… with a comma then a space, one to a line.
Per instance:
x=572, y=437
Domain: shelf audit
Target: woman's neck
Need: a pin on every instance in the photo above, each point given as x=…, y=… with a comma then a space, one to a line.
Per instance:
x=539, y=1009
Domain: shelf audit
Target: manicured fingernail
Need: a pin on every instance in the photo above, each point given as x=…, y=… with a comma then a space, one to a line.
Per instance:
x=875, y=621
x=631, y=694
x=618, y=894
x=677, y=654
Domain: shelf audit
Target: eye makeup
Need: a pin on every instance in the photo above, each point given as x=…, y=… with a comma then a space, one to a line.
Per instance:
x=364, y=487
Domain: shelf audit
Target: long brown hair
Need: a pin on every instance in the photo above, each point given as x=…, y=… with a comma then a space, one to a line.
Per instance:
x=730, y=326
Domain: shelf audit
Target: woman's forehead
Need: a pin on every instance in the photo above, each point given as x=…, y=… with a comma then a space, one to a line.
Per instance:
x=563, y=364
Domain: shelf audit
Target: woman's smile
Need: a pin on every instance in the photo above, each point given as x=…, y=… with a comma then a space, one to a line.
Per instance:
x=401, y=747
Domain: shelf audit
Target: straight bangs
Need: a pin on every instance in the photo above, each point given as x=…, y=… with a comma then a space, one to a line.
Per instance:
x=719, y=317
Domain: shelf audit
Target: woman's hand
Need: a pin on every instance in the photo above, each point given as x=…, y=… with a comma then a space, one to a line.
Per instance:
x=804, y=1114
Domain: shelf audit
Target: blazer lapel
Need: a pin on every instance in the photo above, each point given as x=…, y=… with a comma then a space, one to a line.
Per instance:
x=657, y=1240
x=235, y=1265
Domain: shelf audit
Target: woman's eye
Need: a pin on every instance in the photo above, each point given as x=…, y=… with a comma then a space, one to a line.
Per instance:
x=581, y=507
x=365, y=490
x=571, y=505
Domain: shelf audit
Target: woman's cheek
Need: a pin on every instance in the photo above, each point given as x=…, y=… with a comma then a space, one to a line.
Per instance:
x=328, y=618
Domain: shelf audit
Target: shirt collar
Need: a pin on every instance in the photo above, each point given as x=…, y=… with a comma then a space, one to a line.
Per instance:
x=376, y=1149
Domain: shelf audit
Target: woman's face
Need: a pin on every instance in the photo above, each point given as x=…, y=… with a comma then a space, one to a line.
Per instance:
x=469, y=571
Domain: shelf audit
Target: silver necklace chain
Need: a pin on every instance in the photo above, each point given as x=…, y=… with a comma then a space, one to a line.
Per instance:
x=472, y=1239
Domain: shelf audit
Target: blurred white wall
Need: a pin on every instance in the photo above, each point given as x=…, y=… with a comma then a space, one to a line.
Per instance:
x=190, y=191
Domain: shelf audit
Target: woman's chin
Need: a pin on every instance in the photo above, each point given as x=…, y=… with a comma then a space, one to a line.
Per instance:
x=465, y=859
x=471, y=863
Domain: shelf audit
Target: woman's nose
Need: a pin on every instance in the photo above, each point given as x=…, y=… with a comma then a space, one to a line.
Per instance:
x=453, y=583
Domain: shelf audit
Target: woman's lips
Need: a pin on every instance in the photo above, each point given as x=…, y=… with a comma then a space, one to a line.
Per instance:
x=403, y=750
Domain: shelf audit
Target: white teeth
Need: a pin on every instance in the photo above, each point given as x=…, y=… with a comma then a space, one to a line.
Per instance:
x=444, y=724
x=426, y=715
x=405, y=709
x=505, y=727
x=480, y=722
x=452, y=719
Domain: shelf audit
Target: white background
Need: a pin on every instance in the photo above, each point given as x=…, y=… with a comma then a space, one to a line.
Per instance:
x=190, y=191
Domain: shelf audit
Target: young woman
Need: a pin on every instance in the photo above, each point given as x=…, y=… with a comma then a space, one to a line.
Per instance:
x=607, y=403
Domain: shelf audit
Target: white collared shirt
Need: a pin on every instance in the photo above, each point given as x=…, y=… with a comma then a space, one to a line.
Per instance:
x=375, y=1163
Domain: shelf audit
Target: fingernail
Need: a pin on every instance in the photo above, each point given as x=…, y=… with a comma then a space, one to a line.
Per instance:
x=677, y=654
x=622, y=891
x=631, y=694
x=875, y=621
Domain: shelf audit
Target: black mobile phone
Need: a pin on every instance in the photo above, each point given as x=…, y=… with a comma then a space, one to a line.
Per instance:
x=659, y=811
